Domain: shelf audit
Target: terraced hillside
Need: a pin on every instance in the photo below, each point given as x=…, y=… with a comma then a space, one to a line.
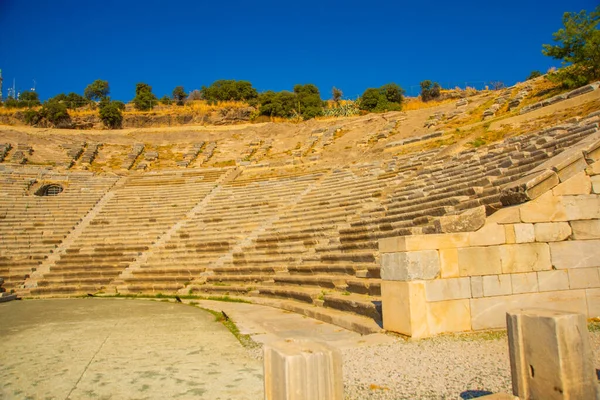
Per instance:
x=296, y=229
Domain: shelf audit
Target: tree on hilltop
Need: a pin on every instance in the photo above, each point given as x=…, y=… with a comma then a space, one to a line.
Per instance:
x=229, y=90
x=534, y=74
x=144, y=99
x=388, y=97
x=96, y=90
x=179, y=95
x=578, y=47
x=308, y=100
x=336, y=95
x=111, y=113
x=430, y=90
x=29, y=99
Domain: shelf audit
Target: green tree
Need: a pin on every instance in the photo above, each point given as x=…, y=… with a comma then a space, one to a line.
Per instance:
x=96, y=90
x=393, y=93
x=281, y=104
x=29, y=99
x=52, y=111
x=388, y=97
x=309, y=103
x=179, y=95
x=144, y=99
x=229, y=90
x=111, y=113
x=336, y=95
x=430, y=90
x=166, y=100
x=71, y=100
x=578, y=47
x=534, y=74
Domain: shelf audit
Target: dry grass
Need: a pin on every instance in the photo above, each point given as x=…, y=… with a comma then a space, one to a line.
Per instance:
x=418, y=104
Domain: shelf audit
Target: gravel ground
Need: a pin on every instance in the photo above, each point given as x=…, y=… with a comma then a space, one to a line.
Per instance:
x=447, y=367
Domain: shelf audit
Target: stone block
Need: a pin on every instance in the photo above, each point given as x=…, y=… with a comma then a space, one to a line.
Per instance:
x=593, y=169
x=578, y=184
x=528, y=188
x=550, y=355
x=584, y=278
x=498, y=396
x=474, y=261
x=448, y=289
x=404, y=307
x=545, y=208
x=552, y=231
x=449, y=263
x=497, y=285
x=575, y=254
x=490, y=312
x=489, y=235
x=410, y=266
x=524, y=233
x=423, y=242
x=581, y=207
x=296, y=369
x=468, y=221
x=448, y=316
x=476, y=286
x=593, y=301
x=506, y=215
x=586, y=229
x=553, y=280
x=525, y=257
x=596, y=184
x=509, y=232
x=570, y=166
x=524, y=283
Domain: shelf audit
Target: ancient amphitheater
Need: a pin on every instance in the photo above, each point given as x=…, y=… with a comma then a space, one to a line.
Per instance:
x=326, y=218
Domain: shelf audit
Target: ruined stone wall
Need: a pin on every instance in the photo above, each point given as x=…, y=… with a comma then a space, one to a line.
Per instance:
x=543, y=253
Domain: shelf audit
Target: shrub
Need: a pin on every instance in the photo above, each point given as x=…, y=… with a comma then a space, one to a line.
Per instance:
x=53, y=112
x=166, y=100
x=336, y=95
x=71, y=100
x=111, y=115
x=144, y=99
x=305, y=101
x=228, y=90
x=29, y=99
x=179, y=95
x=96, y=90
x=387, y=98
x=430, y=90
x=11, y=103
x=309, y=101
x=534, y=74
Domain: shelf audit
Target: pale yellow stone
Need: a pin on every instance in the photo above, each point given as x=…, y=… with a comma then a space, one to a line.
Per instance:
x=524, y=283
x=581, y=206
x=490, y=312
x=571, y=166
x=449, y=263
x=509, y=232
x=586, y=229
x=412, y=265
x=593, y=169
x=545, y=208
x=404, y=307
x=584, y=278
x=506, y=215
x=525, y=257
x=489, y=235
x=596, y=184
x=423, y=242
x=524, y=233
x=553, y=280
x=552, y=231
x=496, y=285
x=449, y=316
x=448, y=289
x=578, y=184
x=474, y=261
x=575, y=254
x=593, y=301
x=476, y=286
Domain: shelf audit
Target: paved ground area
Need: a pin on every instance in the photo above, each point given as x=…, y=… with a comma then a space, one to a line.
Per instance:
x=120, y=349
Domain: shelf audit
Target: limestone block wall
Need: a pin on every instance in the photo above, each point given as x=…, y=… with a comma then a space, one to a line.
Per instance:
x=541, y=253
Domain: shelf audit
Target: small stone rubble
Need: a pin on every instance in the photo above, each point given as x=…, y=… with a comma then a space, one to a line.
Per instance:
x=191, y=155
x=137, y=149
x=89, y=154
x=561, y=97
x=4, y=149
x=19, y=156
x=4, y=296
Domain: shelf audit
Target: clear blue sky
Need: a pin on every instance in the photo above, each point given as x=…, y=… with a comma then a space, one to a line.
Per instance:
x=66, y=44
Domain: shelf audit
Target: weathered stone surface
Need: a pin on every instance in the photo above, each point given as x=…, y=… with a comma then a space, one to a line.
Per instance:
x=301, y=369
x=423, y=242
x=529, y=188
x=525, y=257
x=404, y=307
x=553, y=280
x=593, y=301
x=490, y=312
x=596, y=184
x=468, y=221
x=524, y=233
x=570, y=166
x=578, y=184
x=575, y=254
x=524, y=283
x=506, y=215
x=489, y=235
x=552, y=231
x=497, y=285
x=448, y=289
x=586, y=229
x=448, y=316
x=474, y=261
x=549, y=208
x=476, y=286
x=410, y=266
x=550, y=355
x=509, y=232
x=584, y=278
x=449, y=263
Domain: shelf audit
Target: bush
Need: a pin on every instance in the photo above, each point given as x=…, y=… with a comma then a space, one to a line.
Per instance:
x=387, y=98
x=71, y=100
x=305, y=101
x=336, y=95
x=229, y=90
x=534, y=74
x=144, y=99
x=430, y=90
x=96, y=90
x=11, y=103
x=111, y=115
x=309, y=101
x=179, y=95
x=52, y=111
x=166, y=100
x=29, y=99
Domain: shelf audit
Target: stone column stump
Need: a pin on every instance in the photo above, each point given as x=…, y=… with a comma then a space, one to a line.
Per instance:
x=302, y=370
